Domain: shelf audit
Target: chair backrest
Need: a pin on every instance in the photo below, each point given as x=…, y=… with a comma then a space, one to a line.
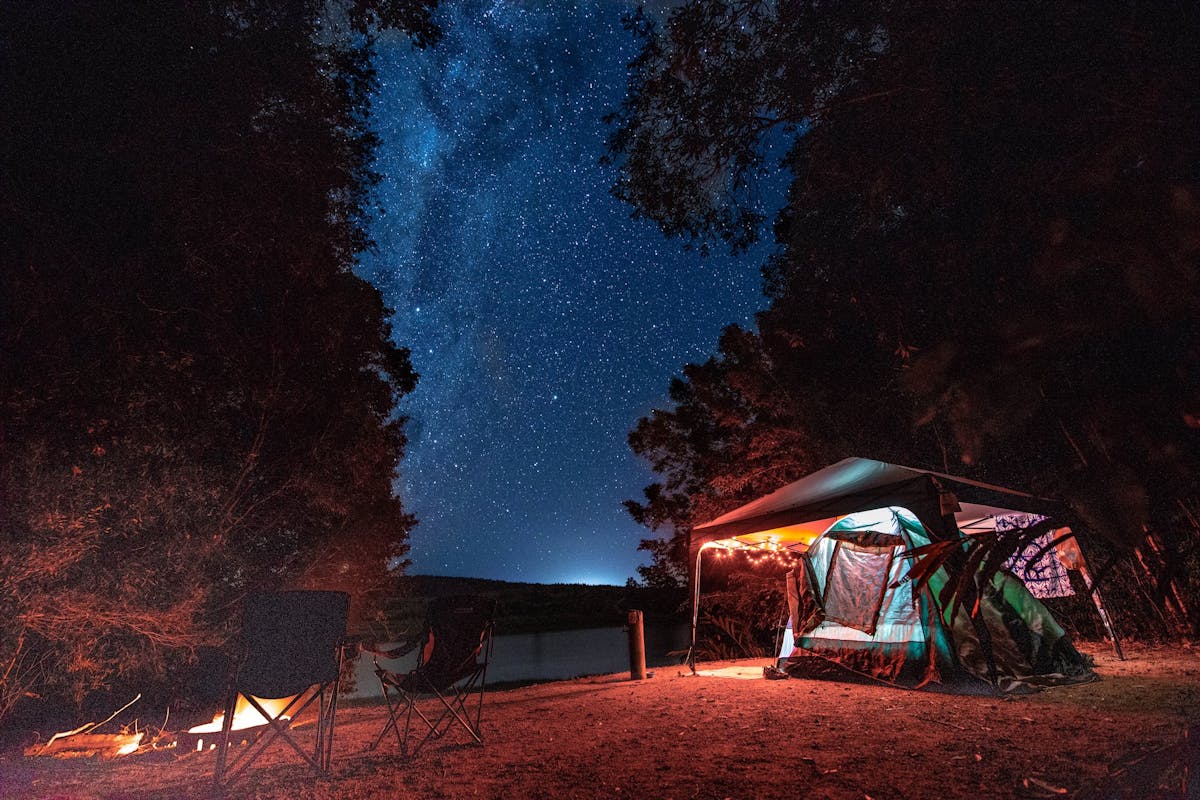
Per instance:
x=290, y=641
x=457, y=630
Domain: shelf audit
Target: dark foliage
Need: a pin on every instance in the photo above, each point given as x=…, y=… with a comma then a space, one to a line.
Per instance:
x=531, y=607
x=197, y=393
x=988, y=261
x=742, y=614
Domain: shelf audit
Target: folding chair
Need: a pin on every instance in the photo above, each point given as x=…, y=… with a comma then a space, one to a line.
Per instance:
x=291, y=647
x=455, y=648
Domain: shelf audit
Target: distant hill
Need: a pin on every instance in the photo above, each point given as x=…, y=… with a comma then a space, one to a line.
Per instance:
x=529, y=607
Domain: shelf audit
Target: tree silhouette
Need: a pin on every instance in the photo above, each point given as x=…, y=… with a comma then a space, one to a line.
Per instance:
x=198, y=392
x=992, y=219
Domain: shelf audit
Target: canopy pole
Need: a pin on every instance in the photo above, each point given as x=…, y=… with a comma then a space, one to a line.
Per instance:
x=1094, y=591
x=1108, y=626
x=696, y=606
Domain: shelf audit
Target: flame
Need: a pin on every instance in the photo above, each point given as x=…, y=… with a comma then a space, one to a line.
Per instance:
x=131, y=747
x=244, y=715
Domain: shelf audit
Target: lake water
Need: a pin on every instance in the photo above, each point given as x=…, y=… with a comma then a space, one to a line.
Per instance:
x=553, y=655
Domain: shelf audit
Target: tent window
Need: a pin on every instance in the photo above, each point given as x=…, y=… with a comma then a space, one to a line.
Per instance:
x=856, y=583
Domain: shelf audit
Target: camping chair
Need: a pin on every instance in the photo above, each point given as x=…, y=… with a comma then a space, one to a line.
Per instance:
x=455, y=648
x=291, y=647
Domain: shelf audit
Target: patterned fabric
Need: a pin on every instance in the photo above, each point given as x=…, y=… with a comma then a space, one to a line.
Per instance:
x=1047, y=577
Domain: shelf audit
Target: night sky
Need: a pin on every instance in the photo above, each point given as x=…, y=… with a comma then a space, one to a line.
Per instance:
x=542, y=320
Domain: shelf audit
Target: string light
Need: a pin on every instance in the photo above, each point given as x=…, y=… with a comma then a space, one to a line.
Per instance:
x=765, y=553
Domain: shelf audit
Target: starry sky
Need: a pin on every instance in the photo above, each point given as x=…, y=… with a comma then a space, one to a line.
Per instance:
x=543, y=321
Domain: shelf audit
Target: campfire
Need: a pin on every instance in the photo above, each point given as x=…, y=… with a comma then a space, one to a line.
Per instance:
x=246, y=720
x=85, y=741
x=79, y=743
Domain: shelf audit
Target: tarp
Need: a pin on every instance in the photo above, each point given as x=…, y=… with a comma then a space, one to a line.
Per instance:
x=1038, y=564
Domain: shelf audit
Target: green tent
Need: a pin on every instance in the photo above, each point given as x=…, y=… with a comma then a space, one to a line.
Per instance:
x=851, y=604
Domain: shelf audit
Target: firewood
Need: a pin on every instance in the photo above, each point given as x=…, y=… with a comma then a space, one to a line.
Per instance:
x=106, y=745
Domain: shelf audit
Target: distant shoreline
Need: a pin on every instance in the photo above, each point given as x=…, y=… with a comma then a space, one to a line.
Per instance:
x=533, y=607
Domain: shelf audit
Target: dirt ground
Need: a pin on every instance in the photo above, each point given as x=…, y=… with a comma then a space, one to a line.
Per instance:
x=728, y=733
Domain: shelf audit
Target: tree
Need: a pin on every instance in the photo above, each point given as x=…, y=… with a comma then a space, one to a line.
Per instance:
x=198, y=392
x=1001, y=208
x=772, y=406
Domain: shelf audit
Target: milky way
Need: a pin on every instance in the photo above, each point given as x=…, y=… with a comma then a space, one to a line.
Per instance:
x=542, y=320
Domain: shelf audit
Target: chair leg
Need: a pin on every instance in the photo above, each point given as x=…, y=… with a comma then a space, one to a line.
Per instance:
x=223, y=741
x=412, y=709
x=319, y=744
x=454, y=709
x=391, y=721
x=327, y=714
x=276, y=729
x=471, y=719
x=411, y=700
x=433, y=727
x=404, y=703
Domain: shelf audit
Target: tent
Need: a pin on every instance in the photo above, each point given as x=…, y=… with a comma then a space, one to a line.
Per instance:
x=854, y=524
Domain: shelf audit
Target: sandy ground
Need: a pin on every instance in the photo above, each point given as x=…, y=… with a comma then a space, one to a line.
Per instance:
x=727, y=733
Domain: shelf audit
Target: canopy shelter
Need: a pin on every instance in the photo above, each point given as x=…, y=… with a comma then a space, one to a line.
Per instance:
x=794, y=513
x=943, y=507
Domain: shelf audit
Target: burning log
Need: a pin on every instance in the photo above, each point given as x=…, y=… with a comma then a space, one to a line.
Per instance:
x=105, y=745
x=83, y=741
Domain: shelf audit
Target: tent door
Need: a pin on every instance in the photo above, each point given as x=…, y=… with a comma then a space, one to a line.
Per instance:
x=855, y=584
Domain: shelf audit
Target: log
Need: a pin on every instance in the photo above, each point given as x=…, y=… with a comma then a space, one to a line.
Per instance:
x=106, y=745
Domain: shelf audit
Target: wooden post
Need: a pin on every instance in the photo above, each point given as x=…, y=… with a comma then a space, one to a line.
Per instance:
x=637, y=647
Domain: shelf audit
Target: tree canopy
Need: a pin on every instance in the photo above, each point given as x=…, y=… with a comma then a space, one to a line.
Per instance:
x=987, y=259
x=198, y=393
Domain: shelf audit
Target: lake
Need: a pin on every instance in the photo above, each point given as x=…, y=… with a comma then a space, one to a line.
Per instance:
x=552, y=655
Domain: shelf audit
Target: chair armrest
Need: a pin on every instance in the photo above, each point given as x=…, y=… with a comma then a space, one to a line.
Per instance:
x=399, y=651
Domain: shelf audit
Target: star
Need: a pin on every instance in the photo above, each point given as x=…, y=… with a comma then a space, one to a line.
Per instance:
x=542, y=319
